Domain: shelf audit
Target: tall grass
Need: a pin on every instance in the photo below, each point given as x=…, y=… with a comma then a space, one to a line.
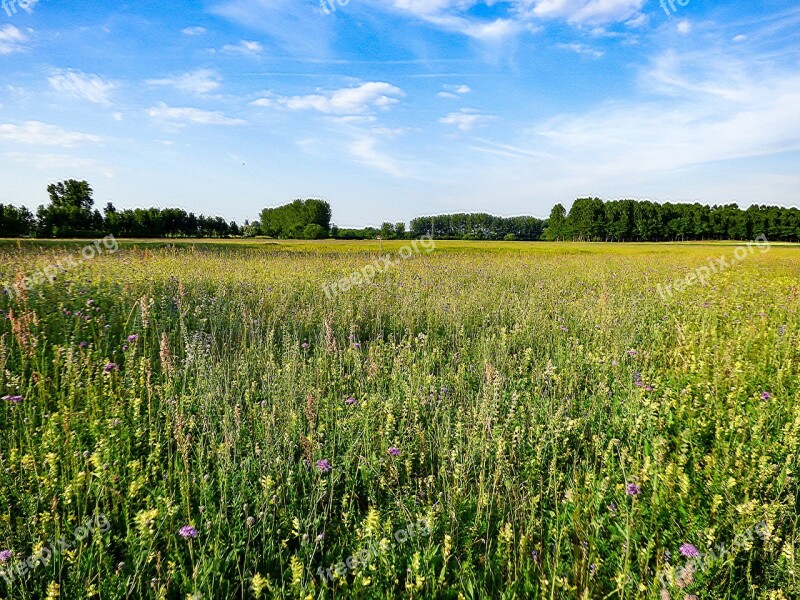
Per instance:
x=561, y=428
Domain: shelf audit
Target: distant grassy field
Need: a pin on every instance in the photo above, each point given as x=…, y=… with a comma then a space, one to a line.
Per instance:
x=236, y=419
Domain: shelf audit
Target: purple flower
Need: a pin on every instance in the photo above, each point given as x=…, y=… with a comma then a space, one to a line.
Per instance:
x=394, y=451
x=356, y=345
x=188, y=532
x=304, y=345
x=111, y=367
x=5, y=556
x=350, y=401
x=766, y=395
x=124, y=347
x=632, y=489
x=133, y=338
x=14, y=399
x=612, y=508
x=83, y=345
x=323, y=466
x=632, y=353
x=689, y=551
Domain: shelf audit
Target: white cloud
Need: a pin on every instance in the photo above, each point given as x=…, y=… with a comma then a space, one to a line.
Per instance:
x=245, y=48
x=684, y=27
x=11, y=40
x=365, y=150
x=47, y=162
x=200, y=81
x=359, y=100
x=82, y=85
x=453, y=91
x=194, y=31
x=711, y=108
x=740, y=38
x=42, y=134
x=467, y=119
x=585, y=12
x=195, y=116
x=583, y=50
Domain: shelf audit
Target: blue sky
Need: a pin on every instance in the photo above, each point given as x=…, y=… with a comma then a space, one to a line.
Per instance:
x=391, y=109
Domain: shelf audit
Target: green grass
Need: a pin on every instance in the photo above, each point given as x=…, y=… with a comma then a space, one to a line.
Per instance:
x=525, y=385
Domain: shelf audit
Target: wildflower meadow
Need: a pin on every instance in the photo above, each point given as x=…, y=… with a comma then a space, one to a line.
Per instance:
x=561, y=429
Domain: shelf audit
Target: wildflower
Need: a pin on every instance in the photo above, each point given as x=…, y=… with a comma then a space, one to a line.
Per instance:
x=14, y=399
x=612, y=508
x=111, y=367
x=83, y=345
x=632, y=353
x=350, y=401
x=357, y=345
x=633, y=490
x=323, y=466
x=133, y=338
x=5, y=556
x=689, y=551
x=304, y=345
x=535, y=556
x=188, y=532
x=394, y=451
x=766, y=395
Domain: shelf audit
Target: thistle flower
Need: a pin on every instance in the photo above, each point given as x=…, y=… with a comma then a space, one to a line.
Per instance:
x=350, y=401
x=111, y=367
x=689, y=551
x=188, y=532
x=133, y=338
x=766, y=395
x=5, y=556
x=14, y=399
x=304, y=345
x=323, y=466
x=633, y=490
x=394, y=451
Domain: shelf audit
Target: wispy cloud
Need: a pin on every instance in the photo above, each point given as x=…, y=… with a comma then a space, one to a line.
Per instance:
x=245, y=48
x=43, y=134
x=11, y=40
x=194, y=31
x=184, y=115
x=360, y=100
x=200, y=81
x=467, y=119
x=84, y=86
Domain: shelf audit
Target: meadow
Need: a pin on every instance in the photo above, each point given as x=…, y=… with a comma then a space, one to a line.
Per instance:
x=484, y=420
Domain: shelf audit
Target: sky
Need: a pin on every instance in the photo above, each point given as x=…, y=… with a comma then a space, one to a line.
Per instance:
x=392, y=109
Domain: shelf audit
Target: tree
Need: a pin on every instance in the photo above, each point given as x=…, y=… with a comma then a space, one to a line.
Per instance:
x=291, y=220
x=15, y=222
x=70, y=211
x=556, y=229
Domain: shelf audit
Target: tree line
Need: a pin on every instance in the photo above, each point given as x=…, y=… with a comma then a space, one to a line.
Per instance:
x=592, y=219
x=71, y=213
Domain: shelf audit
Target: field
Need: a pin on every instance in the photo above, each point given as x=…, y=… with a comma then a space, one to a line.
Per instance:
x=500, y=420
